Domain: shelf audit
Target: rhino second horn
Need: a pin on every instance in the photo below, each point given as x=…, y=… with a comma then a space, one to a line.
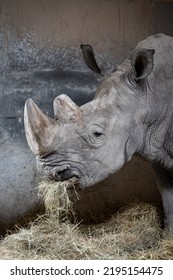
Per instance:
x=39, y=129
x=65, y=110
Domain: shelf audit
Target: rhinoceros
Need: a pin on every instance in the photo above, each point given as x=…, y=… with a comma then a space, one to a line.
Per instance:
x=131, y=113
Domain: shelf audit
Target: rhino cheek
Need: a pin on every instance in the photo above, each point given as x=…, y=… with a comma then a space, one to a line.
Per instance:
x=96, y=170
x=111, y=158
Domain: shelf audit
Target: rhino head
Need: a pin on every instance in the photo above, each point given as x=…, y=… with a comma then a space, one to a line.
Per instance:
x=95, y=140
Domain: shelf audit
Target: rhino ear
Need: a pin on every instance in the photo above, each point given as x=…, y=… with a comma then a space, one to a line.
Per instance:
x=65, y=110
x=89, y=58
x=142, y=63
x=39, y=128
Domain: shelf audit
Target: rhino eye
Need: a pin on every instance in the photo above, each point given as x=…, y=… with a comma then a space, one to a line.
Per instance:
x=97, y=134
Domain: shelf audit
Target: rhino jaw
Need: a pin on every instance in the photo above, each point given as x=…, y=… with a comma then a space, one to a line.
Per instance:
x=39, y=129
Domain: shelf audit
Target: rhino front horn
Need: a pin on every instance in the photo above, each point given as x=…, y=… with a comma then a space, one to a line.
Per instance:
x=65, y=110
x=39, y=129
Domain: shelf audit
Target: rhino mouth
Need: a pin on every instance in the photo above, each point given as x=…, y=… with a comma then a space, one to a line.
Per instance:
x=58, y=171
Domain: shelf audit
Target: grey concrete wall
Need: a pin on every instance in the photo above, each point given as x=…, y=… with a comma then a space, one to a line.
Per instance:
x=40, y=58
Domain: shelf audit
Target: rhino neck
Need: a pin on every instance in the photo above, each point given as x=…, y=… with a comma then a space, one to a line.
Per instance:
x=158, y=141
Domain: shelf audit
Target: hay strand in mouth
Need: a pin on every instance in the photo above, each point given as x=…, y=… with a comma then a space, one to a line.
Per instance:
x=56, y=197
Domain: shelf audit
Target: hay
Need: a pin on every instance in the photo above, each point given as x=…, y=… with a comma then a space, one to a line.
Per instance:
x=56, y=198
x=134, y=232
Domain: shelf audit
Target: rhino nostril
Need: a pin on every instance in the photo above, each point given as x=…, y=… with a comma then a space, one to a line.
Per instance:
x=63, y=174
x=59, y=173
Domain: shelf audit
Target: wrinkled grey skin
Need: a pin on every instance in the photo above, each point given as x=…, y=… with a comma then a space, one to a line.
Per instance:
x=131, y=114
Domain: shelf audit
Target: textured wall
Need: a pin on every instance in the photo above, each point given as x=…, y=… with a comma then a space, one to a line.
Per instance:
x=69, y=22
x=112, y=27
x=40, y=58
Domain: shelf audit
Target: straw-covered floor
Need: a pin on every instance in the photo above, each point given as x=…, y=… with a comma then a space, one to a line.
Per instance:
x=134, y=232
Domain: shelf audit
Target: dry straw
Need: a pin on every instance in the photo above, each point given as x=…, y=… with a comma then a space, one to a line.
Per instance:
x=56, y=198
x=134, y=232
